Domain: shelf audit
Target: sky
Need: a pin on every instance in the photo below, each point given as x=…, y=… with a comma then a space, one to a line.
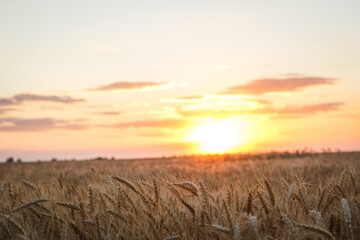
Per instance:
x=81, y=79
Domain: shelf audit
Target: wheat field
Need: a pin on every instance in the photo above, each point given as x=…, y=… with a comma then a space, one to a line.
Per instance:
x=263, y=196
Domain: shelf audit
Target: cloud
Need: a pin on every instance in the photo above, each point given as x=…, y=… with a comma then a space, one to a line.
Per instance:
x=215, y=98
x=190, y=97
x=163, y=123
x=129, y=86
x=25, y=97
x=187, y=99
x=109, y=113
x=4, y=110
x=268, y=85
x=154, y=134
x=6, y=101
x=290, y=111
x=37, y=124
x=305, y=109
x=29, y=97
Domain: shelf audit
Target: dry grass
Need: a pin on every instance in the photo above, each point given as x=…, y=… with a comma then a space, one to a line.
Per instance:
x=209, y=197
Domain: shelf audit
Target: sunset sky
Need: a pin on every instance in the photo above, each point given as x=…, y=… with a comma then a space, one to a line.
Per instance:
x=82, y=79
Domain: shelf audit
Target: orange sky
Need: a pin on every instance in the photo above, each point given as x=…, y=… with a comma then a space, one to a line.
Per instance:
x=137, y=79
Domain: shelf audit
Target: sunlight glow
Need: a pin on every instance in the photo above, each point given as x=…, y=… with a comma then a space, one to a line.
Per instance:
x=218, y=136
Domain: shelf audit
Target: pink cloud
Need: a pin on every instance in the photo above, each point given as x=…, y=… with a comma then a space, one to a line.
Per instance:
x=29, y=97
x=267, y=85
x=37, y=124
x=108, y=113
x=304, y=109
x=289, y=111
x=128, y=86
x=164, y=123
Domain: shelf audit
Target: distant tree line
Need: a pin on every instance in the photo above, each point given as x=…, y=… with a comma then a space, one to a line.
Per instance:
x=11, y=160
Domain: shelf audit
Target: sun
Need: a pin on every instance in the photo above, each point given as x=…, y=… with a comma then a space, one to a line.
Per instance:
x=217, y=136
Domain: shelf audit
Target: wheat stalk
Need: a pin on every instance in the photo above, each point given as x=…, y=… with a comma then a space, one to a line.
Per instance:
x=30, y=185
x=253, y=222
x=229, y=218
x=317, y=230
x=91, y=199
x=5, y=229
x=14, y=224
x=294, y=232
x=29, y=203
x=188, y=186
x=342, y=193
x=270, y=192
x=79, y=232
x=347, y=214
x=205, y=198
x=176, y=237
x=156, y=191
x=263, y=203
x=111, y=212
x=3, y=187
x=220, y=228
x=188, y=206
x=353, y=182
x=175, y=219
x=71, y=206
x=328, y=204
x=126, y=183
x=321, y=199
x=110, y=199
x=289, y=193
x=304, y=200
x=249, y=203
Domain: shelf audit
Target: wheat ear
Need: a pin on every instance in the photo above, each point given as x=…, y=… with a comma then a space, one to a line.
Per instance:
x=71, y=206
x=317, y=230
x=5, y=229
x=91, y=199
x=79, y=232
x=14, y=224
x=188, y=186
x=30, y=185
x=156, y=191
x=229, y=218
x=347, y=214
x=270, y=192
x=220, y=228
x=37, y=200
x=174, y=218
x=3, y=186
x=291, y=225
x=263, y=203
x=205, y=198
x=126, y=183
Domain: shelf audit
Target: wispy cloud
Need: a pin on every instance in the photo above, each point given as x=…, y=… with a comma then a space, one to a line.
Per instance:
x=290, y=111
x=108, y=113
x=6, y=101
x=30, y=97
x=163, y=123
x=304, y=109
x=37, y=124
x=187, y=99
x=269, y=85
x=129, y=86
x=215, y=98
x=4, y=110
